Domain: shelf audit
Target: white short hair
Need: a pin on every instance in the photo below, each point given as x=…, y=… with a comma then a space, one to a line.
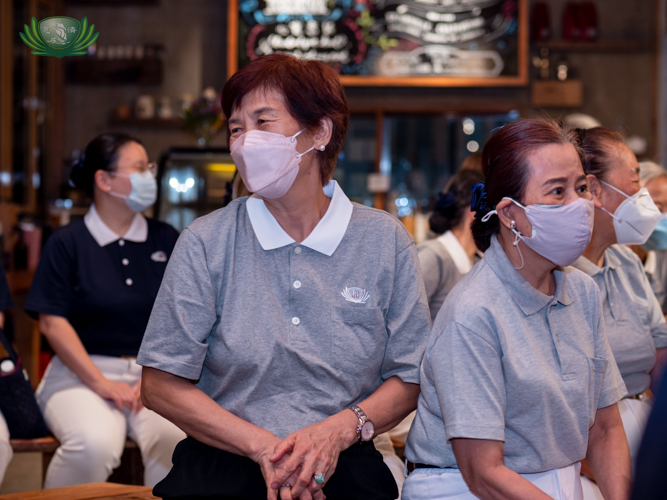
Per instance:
x=580, y=120
x=649, y=170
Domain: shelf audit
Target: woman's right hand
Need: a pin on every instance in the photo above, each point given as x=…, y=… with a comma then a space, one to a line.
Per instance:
x=121, y=394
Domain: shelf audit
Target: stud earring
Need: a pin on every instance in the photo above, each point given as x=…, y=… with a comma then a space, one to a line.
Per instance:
x=321, y=147
x=512, y=224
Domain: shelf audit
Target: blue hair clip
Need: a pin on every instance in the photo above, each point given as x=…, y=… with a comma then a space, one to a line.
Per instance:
x=478, y=202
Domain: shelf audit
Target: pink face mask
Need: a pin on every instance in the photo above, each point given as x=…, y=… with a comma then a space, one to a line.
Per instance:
x=268, y=162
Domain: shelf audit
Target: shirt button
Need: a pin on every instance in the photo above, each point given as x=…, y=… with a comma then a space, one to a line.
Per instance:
x=125, y=262
x=297, y=250
x=297, y=284
x=295, y=320
x=128, y=281
x=121, y=242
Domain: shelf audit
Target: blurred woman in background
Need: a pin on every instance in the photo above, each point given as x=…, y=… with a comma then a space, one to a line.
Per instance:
x=447, y=258
x=635, y=324
x=653, y=253
x=93, y=292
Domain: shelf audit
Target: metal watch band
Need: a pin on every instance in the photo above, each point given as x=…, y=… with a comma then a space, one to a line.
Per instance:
x=363, y=418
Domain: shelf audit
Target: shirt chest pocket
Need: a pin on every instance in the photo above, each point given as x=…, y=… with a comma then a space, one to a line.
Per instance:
x=359, y=338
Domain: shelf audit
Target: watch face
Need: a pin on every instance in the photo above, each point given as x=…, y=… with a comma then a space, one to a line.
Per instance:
x=367, y=431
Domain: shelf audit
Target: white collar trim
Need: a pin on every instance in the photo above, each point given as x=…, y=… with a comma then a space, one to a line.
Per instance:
x=456, y=251
x=138, y=231
x=651, y=263
x=326, y=236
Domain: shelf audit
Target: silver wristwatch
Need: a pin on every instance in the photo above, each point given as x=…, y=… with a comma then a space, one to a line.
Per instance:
x=365, y=429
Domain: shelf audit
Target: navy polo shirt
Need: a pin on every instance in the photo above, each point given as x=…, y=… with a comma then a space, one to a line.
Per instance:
x=104, y=285
x=6, y=301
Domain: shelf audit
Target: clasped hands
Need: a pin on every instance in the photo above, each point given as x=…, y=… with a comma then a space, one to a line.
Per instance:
x=289, y=466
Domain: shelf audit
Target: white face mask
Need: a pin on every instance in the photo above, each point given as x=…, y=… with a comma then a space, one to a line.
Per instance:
x=560, y=233
x=635, y=218
x=144, y=190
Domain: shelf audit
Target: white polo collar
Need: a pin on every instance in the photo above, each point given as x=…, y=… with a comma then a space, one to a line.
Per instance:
x=138, y=231
x=456, y=252
x=326, y=236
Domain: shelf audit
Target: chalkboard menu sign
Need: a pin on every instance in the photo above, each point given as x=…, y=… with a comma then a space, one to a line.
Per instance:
x=389, y=42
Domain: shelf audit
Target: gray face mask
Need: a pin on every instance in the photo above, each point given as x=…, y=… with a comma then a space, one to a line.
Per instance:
x=144, y=191
x=560, y=232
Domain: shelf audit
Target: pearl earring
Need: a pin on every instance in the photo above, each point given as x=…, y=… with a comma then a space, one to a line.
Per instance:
x=321, y=147
x=512, y=224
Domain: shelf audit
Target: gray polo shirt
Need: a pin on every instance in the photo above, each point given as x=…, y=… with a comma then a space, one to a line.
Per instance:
x=283, y=334
x=635, y=322
x=443, y=263
x=505, y=362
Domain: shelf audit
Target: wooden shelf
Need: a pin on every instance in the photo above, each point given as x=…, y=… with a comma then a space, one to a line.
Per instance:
x=599, y=46
x=148, y=122
x=112, y=3
x=91, y=71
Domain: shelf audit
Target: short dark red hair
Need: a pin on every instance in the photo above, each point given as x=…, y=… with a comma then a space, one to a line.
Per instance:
x=506, y=167
x=312, y=91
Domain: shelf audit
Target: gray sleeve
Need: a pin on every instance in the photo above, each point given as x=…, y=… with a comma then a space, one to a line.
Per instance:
x=613, y=388
x=408, y=320
x=176, y=338
x=656, y=316
x=431, y=268
x=468, y=377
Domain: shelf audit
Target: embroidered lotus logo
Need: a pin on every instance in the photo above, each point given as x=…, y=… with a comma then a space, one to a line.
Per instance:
x=356, y=295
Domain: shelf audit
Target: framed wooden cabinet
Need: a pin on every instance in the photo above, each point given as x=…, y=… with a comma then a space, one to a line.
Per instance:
x=31, y=110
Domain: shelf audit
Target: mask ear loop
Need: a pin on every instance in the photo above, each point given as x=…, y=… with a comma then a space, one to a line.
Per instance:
x=517, y=236
x=299, y=155
x=293, y=138
x=620, y=192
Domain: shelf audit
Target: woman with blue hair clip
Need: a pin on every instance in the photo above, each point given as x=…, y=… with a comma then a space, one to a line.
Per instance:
x=518, y=383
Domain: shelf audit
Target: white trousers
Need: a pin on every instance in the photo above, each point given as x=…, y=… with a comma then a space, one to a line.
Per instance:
x=400, y=432
x=5, y=448
x=92, y=430
x=634, y=414
x=448, y=484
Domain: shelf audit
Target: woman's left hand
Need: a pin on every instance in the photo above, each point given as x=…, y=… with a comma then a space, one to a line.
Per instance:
x=315, y=449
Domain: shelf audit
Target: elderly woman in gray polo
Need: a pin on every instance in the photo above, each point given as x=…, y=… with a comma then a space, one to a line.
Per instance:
x=518, y=381
x=290, y=325
x=633, y=317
